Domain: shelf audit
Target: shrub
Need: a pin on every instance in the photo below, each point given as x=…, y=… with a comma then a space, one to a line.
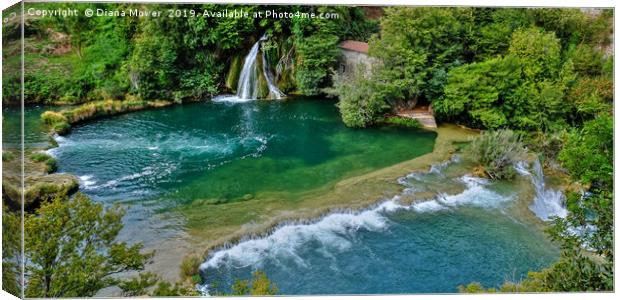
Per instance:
x=7, y=156
x=50, y=162
x=402, y=121
x=361, y=103
x=588, y=154
x=52, y=117
x=260, y=285
x=497, y=151
x=56, y=121
x=190, y=266
x=547, y=144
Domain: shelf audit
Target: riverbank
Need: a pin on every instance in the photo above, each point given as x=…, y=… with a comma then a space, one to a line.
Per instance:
x=220, y=225
x=40, y=181
x=263, y=152
x=60, y=122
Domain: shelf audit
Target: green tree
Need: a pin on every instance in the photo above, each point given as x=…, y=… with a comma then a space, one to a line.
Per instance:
x=360, y=102
x=11, y=251
x=523, y=90
x=538, y=50
x=71, y=248
x=493, y=29
x=588, y=154
x=418, y=46
x=587, y=60
x=78, y=28
x=316, y=47
x=152, y=65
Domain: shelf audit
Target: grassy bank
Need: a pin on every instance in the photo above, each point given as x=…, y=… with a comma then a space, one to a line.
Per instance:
x=61, y=122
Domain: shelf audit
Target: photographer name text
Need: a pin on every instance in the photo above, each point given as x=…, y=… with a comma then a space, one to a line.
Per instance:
x=180, y=13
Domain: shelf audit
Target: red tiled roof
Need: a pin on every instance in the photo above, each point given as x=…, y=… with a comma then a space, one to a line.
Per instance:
x=354, y=46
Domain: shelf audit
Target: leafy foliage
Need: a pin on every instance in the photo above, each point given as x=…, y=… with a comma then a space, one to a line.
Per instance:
x=259, y=285
x=138, y=286
x=360, y=102
x=316, y=42
x=497, y=151
x=168, y=289
x=522, y=90
x=402, y=121
x=417, y=46
x=71, y=248
x=11, y=248
x=588, y=154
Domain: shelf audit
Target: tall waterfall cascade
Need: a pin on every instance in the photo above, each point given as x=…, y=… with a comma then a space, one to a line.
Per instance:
x=248, y=84
x=548, y=203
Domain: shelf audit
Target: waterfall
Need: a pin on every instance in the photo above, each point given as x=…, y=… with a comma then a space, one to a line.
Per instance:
x=248, y=85
x=547, y=203
x=274, y=92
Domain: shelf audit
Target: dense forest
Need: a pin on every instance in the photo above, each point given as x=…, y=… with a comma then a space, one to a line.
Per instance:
x=536, y=80
x=177, y=59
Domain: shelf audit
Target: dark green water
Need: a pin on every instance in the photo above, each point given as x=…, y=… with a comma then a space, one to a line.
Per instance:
x=227, y=152
x=34, y=131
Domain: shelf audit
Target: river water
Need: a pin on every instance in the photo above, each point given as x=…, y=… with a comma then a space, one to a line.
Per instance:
x=469, y=231
x=461, y=229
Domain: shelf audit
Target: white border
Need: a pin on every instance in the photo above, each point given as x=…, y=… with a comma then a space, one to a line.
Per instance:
x=501, y=3
x=513, y=3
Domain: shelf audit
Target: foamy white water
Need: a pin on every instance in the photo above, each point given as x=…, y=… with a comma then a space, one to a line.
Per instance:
x=87, y=181
x=334, y=231
x=548, y=203
x=247, y=86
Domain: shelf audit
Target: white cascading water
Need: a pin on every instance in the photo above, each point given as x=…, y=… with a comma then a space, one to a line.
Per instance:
x=548, y=203
x=334, y=229
x=274, y=91
x=247, y=87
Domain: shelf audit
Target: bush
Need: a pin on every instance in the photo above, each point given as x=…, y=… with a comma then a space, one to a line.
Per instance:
x=190, y=267
x=50, y=162
x=56, y=121
x=497, y=151
x=260, y=285
x=7, y=156
x=547, y=144
x=402, y=121
x=317, y=55
x=360, y=101
x=588, y=154
x=590, y=96
x=165, y=288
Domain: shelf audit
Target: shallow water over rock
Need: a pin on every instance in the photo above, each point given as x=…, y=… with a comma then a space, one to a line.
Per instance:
x=467, y=232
